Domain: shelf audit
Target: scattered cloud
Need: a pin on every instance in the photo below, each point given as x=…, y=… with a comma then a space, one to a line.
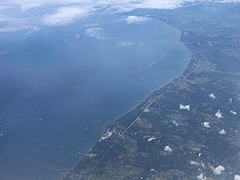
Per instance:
x=218, y=114
x=175, y=123
x=64, y=12
x=161, y=4
x=29, y=4
x=168, y=149
x=201, y=177
x=195, y=163
x=91, y=25
x=222, y=132
x=126, y=43
x=212, y=96
x=67, y=15
x=9, y=24
x=233, y=112
x=206, y=124
x=151, y=139
x=236, y=177
x=95, y=32
x=229, y=1
x=15, y=27
x=130, y=43
x=123, y=5
x=218, y=170
x=184, y=107
x=136, y=19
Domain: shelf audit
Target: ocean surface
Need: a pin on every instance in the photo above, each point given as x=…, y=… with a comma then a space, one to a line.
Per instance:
x=61, y=85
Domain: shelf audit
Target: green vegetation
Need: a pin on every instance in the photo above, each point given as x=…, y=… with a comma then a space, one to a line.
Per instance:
x=187, y=143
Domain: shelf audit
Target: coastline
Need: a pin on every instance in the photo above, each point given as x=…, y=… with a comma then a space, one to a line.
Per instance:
x=143, y=100
x=160, y=140
x=148, y=95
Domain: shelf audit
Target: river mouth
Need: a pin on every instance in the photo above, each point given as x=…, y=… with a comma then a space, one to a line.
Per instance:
x=61, y=85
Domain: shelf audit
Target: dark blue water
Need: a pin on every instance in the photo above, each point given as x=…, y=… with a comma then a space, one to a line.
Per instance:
x=57, y=82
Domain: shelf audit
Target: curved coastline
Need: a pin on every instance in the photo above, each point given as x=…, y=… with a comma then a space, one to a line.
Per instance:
x=148, y=97
x=167, y=140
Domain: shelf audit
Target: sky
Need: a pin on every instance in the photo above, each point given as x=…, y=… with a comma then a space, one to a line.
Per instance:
x=16, y=15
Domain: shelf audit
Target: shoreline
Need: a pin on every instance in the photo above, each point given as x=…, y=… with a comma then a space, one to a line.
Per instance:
x=160, y=140
x=189, y=66
x=142, y=100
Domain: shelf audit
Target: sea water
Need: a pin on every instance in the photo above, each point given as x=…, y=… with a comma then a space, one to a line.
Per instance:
x=61, y=85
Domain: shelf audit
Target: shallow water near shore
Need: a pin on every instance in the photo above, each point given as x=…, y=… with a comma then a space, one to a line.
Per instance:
x=61, y=85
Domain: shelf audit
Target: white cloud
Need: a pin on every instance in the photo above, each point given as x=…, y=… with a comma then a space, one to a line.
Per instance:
x=136, y=19
x=14, y=28
x=175, y=123
x=206, y=124
x=10, y=24
x=168, y=149
x=222, y=132
x=94, y=32
x=121, y=5
x=184, y=107
x=228, y=1
x=126, y=43
x=151, y=139
x=130, y=43
x=161, y=4
x=195, y=163
x=29, y=4
x=201, y=177
x=218, y=114
x=67, y=15
x=236, y=177
x=63, y=12
x=218, y=170
x=212, y=96
x=91, y=25
x=233, y=112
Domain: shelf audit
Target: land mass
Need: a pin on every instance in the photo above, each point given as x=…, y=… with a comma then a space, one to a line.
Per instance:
x=189, y=129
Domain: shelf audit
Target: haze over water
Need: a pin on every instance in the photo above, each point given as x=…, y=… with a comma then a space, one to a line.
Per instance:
x=60, y=86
